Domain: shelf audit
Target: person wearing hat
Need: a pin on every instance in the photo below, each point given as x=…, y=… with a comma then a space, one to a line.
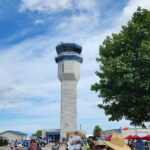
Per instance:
x=78, y=141
x=55, y=146
x=34, y=145
x=99, y=145
x=19, y=147
x=117, y=143
x=75, y=141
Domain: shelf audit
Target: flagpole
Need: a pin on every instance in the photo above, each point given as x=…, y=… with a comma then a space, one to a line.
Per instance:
x=135, y=130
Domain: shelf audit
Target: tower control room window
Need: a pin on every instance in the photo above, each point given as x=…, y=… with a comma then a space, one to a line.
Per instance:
x=68, y=48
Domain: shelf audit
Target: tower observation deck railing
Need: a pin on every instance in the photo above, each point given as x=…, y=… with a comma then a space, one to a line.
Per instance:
x=70, y=53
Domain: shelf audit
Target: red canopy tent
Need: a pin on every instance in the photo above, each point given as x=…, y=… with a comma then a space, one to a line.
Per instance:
x=146, y=138
x=108, y=138
x=135, y=137
x=129, y=137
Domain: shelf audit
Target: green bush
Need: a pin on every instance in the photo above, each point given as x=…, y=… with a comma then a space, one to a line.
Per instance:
x=3, y=142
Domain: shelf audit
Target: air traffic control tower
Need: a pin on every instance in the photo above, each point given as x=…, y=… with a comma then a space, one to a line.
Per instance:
x=69, y=60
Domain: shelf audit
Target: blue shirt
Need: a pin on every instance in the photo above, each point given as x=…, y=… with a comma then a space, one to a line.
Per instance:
x=139, y=145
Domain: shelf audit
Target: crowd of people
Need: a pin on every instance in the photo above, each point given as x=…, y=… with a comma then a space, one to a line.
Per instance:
x=77, y=142
x=32, y=145
x=15, y=145
x=138, y=144
x=117, y=143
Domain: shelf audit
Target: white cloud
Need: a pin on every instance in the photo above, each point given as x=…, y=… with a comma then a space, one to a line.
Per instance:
x=39, y=21
x=82, y=22
x=50, y=6
x=85, y=4
x=84, y=14
x=10, y=104
x=46, y=6
x=130, y=9
x=26, y=70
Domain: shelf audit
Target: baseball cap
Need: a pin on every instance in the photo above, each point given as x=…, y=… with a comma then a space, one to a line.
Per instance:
x=33, y=141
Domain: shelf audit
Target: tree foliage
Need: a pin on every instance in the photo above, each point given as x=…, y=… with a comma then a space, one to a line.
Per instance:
x=97, y=131
x=124, y=61
x=38, y=133
x=3, y=142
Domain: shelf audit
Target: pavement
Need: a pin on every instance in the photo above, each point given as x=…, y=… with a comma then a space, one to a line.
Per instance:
x=49, y=147
x=3, y=147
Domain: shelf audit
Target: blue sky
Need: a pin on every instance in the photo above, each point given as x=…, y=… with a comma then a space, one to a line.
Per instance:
x=29, y=33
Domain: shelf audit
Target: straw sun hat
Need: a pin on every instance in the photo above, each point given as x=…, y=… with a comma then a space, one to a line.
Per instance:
x=117, y=142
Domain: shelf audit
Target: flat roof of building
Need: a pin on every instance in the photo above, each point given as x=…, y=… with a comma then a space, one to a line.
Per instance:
x=15, y=132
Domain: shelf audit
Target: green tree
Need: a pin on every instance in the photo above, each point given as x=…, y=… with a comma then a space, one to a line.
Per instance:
x=3, y=142
x=97, y=131
x=124, y=61
x=38, y=133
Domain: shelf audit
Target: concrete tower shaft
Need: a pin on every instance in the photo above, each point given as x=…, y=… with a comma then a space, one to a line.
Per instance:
x=69, y=70
x=68, y=60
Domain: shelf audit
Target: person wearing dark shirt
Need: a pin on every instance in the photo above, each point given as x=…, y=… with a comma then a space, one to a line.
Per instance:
x=34, y=145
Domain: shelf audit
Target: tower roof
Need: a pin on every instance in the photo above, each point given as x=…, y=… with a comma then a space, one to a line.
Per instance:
x=68, y=47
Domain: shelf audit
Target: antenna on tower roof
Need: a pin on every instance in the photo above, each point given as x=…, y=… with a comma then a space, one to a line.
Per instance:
x=61, y=42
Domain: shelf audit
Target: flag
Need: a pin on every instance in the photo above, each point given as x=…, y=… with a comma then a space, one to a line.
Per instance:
x=125, y=128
